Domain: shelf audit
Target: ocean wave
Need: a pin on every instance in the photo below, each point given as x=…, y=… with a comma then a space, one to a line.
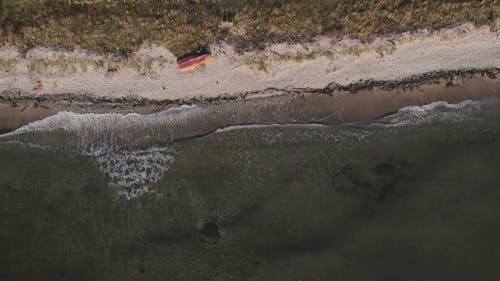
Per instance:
x=91, y=129
x=131, y=150
x=433, y=112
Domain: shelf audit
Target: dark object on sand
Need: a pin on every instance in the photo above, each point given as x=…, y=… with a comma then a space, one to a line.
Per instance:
x=192, y=61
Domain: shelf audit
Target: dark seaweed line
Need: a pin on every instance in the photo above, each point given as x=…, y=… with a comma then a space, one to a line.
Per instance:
x=83, y=100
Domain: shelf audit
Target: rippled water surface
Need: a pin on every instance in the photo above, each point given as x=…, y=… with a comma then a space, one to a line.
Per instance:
x=412, y=196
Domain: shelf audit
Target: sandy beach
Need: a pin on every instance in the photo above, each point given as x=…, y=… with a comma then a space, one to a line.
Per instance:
x=357, y=103
x=151, y=72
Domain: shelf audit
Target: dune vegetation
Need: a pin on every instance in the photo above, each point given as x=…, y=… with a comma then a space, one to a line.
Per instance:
x=121, y=26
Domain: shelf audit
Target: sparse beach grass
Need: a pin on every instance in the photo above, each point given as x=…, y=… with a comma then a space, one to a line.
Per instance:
x=7, y=65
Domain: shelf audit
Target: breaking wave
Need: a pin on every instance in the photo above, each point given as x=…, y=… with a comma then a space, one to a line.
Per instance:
x=91, y=131
x=433, y=112
x=131, y=151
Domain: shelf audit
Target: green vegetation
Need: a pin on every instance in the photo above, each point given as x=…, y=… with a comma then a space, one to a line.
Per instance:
x=181, y=25
x=258, y=64
x=305, y=57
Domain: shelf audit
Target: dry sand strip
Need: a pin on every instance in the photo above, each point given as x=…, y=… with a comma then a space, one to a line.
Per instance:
x=151, y=72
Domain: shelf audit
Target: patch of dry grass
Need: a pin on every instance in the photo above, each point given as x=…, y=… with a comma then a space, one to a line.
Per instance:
x=183, y=25
x=7, y=65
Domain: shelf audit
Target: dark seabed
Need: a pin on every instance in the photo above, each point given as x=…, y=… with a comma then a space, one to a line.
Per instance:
x=412, y=196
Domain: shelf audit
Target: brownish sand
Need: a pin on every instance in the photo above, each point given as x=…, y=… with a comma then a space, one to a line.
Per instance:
x=361, y=106
x=13, y=116
x=367, y=105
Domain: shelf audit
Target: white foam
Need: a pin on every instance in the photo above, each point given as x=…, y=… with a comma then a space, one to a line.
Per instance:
x=439, y=104
x=120, y=143
x=133, y=172
x=100, y=123
x=260, y=126
x=432, y=112
x=89, y=131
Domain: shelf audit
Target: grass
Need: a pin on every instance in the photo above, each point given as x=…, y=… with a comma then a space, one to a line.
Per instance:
x=183, y=25
x=298, y=58
x=7, y=65
x=259, y=65
x=72, y=65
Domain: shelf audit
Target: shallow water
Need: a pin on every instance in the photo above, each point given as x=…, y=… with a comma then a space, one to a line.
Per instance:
x=411, y=196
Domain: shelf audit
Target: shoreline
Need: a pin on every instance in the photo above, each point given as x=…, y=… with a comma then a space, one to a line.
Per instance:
x=361, y=80
x=361, y=102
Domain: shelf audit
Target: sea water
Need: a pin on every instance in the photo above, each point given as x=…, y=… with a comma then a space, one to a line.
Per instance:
x=411, y=196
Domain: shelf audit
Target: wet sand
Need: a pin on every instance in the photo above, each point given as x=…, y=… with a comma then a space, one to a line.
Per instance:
x=14, y=115
x=280, y=107
x=368, y=105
